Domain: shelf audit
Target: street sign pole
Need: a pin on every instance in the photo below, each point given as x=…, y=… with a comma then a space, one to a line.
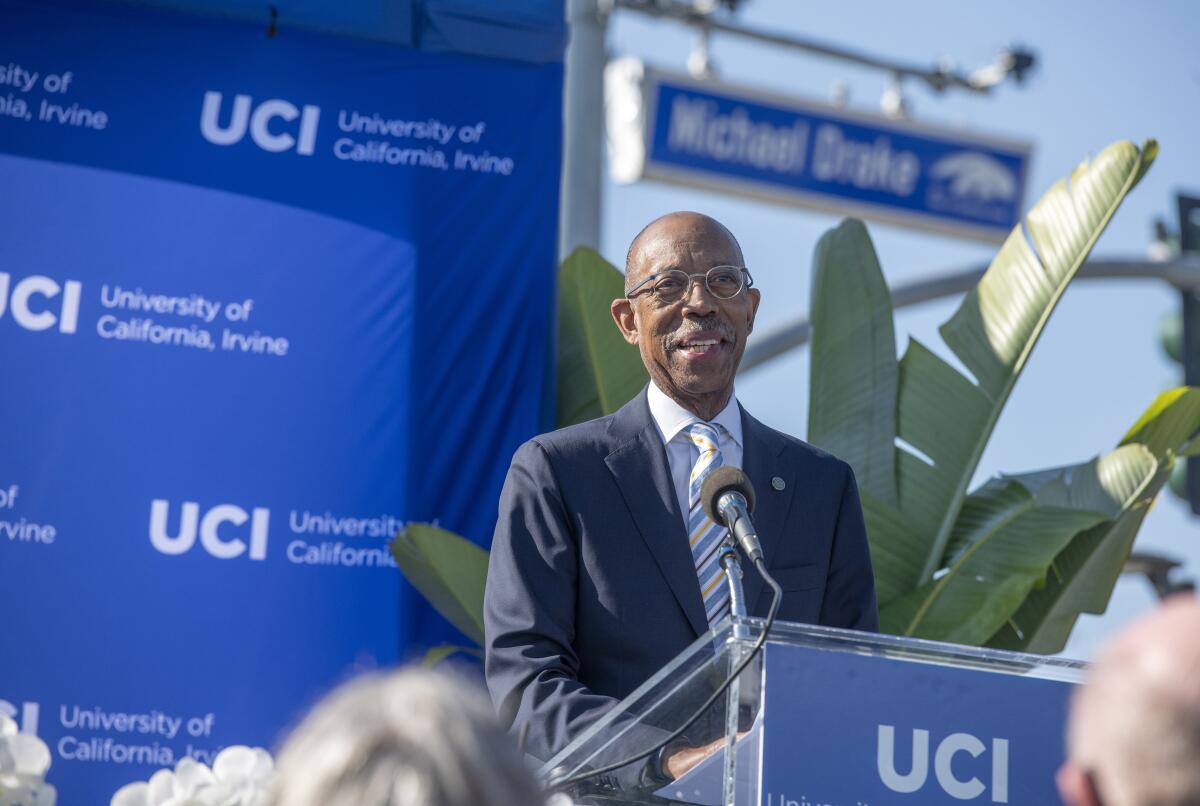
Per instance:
x=583, y=128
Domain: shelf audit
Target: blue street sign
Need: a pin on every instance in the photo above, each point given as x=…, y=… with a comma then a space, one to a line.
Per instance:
x=785, y=150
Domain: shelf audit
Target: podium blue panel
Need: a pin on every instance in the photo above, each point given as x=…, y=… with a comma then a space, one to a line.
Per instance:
x=262, y=301
x=855, y=729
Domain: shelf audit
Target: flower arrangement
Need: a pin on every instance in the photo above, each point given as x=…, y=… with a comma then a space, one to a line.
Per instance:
x=240, y=776
x=24, y=760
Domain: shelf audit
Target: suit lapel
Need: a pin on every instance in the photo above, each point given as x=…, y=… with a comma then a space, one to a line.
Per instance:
x=760, y=460
x=639, y=465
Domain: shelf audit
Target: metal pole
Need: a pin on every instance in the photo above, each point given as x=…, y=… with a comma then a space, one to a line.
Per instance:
x=1183, y=273
x=736, y=646
x=1189, y=245
x=938, y=78
x=583, y=128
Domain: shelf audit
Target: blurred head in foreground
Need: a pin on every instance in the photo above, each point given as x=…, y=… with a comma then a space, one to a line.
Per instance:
x=1133, y=736
x=411, y=738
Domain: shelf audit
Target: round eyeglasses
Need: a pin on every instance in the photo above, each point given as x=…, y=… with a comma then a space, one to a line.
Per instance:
x=723, y=282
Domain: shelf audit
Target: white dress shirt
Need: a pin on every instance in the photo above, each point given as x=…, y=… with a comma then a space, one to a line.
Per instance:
x=672, y=421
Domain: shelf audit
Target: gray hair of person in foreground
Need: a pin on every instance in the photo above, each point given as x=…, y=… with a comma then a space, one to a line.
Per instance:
x=414, y=737
x=1133, y=736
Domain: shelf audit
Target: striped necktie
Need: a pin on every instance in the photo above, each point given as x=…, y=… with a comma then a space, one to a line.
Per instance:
x=704, y=536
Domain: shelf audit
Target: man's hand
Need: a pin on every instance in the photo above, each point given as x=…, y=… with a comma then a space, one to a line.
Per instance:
x=685, y=758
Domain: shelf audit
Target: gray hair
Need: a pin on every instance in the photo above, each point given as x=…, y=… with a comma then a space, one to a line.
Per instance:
x=409, y=738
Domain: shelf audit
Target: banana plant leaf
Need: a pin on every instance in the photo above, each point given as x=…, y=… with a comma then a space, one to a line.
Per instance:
x=598, y=371
x=448, y=570
x=943, y=418
x=897, y=549
x=1008, y=535
x=1081, y=580
x=853, y=371
x=1169, y=425
x=993, y=333
x=1082, y=576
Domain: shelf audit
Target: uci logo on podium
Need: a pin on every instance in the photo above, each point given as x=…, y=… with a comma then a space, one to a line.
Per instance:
x=41, y=315
x=259, y=123
x=208, y=527
x=943, y=761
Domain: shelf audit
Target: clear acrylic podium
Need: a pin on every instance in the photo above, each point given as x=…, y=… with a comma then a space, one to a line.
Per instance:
x=958, y=692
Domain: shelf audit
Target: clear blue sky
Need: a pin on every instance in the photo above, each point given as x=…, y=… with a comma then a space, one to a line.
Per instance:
x=1106, y=71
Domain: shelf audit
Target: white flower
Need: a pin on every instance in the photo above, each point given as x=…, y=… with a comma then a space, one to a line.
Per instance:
x=24, y=760
x=241, y=776
x=247, y=772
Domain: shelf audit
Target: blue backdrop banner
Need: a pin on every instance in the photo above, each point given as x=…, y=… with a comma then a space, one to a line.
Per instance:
x=263, y=300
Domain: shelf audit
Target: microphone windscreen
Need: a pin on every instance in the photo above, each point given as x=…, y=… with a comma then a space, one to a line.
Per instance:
x=726, y=478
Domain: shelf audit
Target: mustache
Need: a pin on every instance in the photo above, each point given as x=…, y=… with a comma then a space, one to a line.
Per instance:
x=711, y=324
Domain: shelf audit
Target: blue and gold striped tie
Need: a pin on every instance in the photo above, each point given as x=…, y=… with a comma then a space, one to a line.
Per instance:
x=704, y=536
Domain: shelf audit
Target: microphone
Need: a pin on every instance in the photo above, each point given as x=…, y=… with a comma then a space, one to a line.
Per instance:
x=728, y=498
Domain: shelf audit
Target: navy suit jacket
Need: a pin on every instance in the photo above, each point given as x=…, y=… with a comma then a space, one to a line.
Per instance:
x=591, y=587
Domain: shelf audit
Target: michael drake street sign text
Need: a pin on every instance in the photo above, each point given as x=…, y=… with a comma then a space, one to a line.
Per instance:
x=785, y=150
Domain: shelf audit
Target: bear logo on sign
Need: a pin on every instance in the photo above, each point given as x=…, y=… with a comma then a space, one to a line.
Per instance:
x=972, y=175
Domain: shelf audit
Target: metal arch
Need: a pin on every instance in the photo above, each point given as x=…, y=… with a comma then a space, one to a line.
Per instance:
x=1181, y=272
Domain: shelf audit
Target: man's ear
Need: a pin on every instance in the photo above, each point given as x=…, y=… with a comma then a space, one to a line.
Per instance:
x=1075, y=786
x=622, y=314
x=755, y=297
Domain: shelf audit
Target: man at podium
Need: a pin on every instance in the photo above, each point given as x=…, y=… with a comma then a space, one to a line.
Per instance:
x=603, y=565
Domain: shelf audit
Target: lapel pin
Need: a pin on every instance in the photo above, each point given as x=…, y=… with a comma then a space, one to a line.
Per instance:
x=778, y=483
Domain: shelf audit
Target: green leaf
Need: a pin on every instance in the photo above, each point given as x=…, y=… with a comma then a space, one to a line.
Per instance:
x=448, y=570
x=854, y=374
x=1084, y=573
x=1169, y=424
x=439, y=653
x=897, y=549
x=1009, y=533
x=941, y=413
x=598, y=371
x=992, y=334
x=1081, y=580
x=1005, y=539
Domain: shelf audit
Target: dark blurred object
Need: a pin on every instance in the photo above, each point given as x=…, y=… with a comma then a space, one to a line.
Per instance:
x=1157, y=569
x=1021, y=61
x=1189, y=244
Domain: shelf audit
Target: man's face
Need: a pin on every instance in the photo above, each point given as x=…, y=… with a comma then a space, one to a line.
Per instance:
x=691, y=347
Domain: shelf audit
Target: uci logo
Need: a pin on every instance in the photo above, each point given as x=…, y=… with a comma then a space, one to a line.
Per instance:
x=259, y=123
x=26, y=716
x=943, y=759
x=41, y=316
x=208, y=527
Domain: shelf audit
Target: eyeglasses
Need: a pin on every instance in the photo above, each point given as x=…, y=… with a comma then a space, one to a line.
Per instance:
x=723, y=282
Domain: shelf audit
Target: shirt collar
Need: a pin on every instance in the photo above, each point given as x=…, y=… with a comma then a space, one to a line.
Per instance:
x=671, y=418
